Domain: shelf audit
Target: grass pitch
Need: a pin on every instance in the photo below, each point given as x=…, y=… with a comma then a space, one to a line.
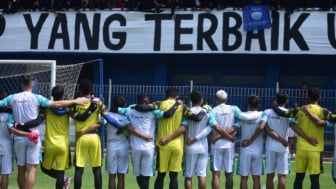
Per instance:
x=45, y=182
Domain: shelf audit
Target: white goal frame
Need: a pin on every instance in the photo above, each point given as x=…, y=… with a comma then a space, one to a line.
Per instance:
x=51, y=63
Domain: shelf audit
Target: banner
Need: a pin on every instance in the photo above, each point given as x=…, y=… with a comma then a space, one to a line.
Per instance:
x=217, y=32
x=256, y=17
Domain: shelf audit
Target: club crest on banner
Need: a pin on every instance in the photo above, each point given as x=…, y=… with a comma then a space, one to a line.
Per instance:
x=256, y=17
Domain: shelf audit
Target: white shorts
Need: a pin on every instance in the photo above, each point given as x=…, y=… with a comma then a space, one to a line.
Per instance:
x=27, y=152
x=194, y=164
x=117, y=161
x=6, y=164
x=222, y=159
x=279, y=160
x=250, y=164
x=143, y=162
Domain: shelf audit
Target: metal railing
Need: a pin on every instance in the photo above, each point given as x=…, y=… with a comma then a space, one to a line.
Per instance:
x=236, y=96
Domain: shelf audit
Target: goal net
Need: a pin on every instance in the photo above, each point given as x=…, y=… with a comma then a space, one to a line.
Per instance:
x=46, y=75
x=45, y=72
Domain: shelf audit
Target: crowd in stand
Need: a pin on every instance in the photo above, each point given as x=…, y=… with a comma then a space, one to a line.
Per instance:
x=12, y=6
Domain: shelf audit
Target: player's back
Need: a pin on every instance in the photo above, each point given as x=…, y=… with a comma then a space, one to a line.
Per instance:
x=92, y=119
x=167, y=126
x=311, y=128
x=118, y=141
x=25, y=106
x=193, y=129
x=57, y=129
x=225, y=117
x=280, y=126
x=247, y=130
x=144, y=122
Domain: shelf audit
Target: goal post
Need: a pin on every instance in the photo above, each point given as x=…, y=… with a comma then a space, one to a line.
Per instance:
x=43, y=70
x=46, y=73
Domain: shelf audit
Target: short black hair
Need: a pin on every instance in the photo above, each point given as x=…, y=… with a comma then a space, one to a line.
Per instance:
x=57, y=92
x=172, y=92
x=281, y=97
x=196, y=97
x=314, y=94
x=119, y=101
x=85, y=87
x=183, y=98
x=253, y=101
x=142, y=98
x=27, y=80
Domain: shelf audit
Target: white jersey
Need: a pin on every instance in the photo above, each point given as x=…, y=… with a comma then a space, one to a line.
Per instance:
x=5, y=136
x=247, y=130
x=145, y=122
x=280, y=126
x=199, y=130
x=225, y=116
x=25, y=106
x=117, y=141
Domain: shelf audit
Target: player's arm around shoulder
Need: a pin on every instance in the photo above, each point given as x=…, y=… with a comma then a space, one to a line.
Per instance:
x=314, y=117
x=123, y=110
x=188, y=114
x=292, y=112
x=45, y=102
x=244, y=115
x=6, y=101
x=108, y=117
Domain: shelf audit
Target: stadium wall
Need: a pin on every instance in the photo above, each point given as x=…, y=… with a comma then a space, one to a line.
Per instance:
x=208, y=48
x=240, y=70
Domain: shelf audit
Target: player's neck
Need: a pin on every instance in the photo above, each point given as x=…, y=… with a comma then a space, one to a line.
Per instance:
x=313, y=102
x=252, y=109
x=28, y=89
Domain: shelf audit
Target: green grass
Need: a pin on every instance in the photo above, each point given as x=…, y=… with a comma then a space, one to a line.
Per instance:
x=44, y=182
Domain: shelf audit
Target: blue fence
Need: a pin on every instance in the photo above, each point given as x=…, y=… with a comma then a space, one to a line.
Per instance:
x=236, y=96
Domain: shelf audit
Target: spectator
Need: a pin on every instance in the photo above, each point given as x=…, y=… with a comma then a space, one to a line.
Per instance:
x=132, y=4
x=45, y=5
x=333, y=4
x=238, y=4
x=220, y=4
x=10, y=7
x=302, y=95
x=121, y=4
